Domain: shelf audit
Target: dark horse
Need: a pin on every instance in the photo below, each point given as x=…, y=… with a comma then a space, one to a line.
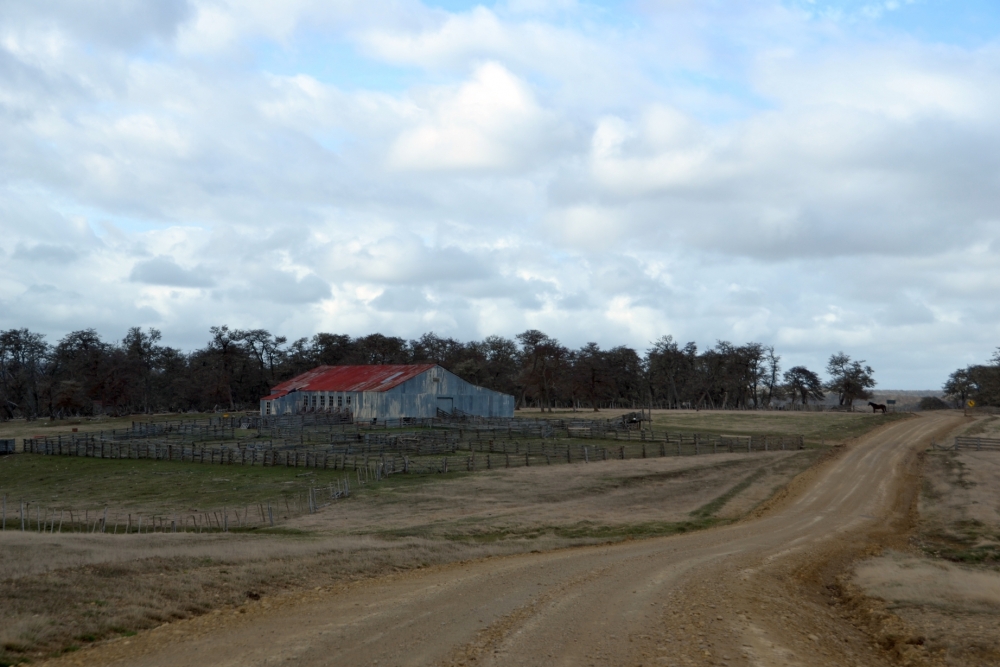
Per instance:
x=877, y=406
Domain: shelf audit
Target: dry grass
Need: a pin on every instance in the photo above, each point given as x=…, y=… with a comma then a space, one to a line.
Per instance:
x=817, y=427
x=62, y=590
x=950, y=590
x=601, y=499
x=59, y=591
x=988, y=427
x=905, y=579
x=955, y=609
x=22, y=428
x=132, y=584
x=960, y=506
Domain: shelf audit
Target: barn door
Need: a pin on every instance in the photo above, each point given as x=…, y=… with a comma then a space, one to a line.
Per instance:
x=446, y=404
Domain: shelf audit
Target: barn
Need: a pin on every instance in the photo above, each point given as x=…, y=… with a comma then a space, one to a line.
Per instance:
x=385, y=392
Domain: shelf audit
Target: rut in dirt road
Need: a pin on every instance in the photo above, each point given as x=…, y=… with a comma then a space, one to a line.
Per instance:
x=733, y=595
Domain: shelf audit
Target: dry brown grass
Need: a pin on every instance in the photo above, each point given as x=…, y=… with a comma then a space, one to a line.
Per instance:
x=606, y=496
x=960, y=506
x=22, y=428
x=132, y=584
x=816, y=427
x=948, y=589
x=954, y=609
x=59, y=591
x=905, y=579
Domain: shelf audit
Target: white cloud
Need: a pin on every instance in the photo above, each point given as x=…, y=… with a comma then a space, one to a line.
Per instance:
x=489, y=122
x=757, y=174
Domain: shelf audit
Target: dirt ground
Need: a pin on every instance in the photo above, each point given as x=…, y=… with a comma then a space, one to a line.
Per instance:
x=606, y=498
x=761, y=591
x=62, y=592
x=946, y=585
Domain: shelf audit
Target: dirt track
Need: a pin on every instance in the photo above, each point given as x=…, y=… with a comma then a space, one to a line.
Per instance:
x=753, y=593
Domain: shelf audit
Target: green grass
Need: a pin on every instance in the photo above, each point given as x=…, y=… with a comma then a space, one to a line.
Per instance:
x=73, y=483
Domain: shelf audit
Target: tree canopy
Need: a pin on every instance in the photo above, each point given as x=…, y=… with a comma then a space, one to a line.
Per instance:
x=83, y=374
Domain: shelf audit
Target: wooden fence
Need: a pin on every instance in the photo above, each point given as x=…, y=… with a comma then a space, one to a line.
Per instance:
x=405, y=446
x=8, y=446
x=977, y=443
x=368, y=457
x=26, y=515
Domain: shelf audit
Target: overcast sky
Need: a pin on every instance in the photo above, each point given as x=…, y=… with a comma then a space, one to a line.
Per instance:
x=815, y=175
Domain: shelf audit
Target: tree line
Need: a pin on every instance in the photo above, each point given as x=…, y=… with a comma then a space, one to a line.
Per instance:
x=979, y=383
x=83, y=374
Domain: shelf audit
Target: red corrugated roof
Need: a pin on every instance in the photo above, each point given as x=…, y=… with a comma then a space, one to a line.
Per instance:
x=351, y=378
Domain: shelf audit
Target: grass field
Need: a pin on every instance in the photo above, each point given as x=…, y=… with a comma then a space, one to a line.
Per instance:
x=60, y=591
x=62, y=482
x=817, y=427
x=20, y=428
x=167, y=486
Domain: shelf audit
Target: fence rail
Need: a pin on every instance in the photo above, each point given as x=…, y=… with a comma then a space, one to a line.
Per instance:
x=33, y=516
x=977, y=443
x=414, y=444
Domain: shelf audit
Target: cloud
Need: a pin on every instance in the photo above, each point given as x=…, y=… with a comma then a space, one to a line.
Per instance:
x=489, y=122
x=46, y=253
x=165, y=271
x=115, y=23
x=761, y=172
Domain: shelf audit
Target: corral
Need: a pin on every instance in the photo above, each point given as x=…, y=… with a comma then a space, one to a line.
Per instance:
x=390, y=521
x=351, y=454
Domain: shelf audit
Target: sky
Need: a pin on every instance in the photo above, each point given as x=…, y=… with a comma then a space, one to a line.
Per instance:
x=813, y=175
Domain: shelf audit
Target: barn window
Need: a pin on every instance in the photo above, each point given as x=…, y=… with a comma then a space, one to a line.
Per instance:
x=322, y=401
x=348, y=400
x=340, y=401
x=267, y=407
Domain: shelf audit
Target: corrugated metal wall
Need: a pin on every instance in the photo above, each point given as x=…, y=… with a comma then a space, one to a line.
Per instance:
x=419, y=397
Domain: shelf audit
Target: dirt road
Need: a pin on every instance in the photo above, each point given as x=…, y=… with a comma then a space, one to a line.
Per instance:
x=748, y=594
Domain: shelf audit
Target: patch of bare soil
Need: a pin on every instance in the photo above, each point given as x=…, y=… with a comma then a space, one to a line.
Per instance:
x=942, y=588
x=62, y=592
